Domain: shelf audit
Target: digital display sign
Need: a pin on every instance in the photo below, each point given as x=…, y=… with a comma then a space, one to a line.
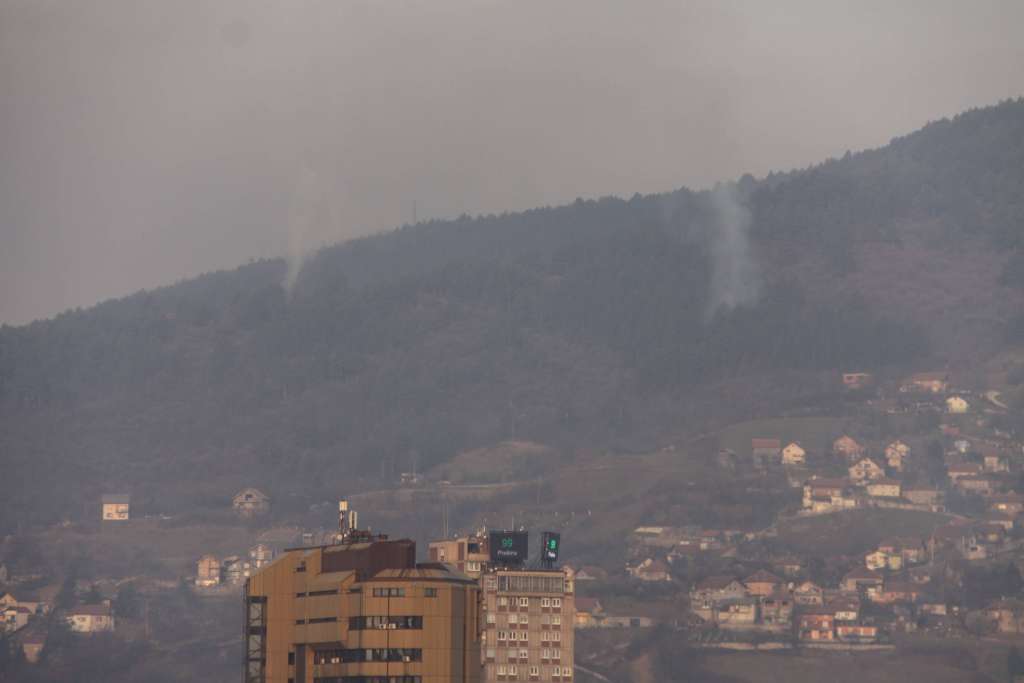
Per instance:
x=550, y=546
x=508, y=547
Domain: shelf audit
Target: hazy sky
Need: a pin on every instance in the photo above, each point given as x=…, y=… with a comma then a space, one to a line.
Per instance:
x=144, y=141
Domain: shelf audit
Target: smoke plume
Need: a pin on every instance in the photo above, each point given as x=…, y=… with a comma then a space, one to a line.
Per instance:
x=735, y=277
x=310, y=211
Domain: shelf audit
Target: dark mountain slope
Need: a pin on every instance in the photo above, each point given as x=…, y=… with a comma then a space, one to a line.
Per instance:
x=586, y=325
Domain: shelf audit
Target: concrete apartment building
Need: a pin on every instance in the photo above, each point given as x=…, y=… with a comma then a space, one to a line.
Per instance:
x=361, y=610
x=528, y=615
x=528, y=618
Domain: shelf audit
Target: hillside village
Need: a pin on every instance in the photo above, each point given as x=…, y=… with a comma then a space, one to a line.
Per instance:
x=882, y=535
x=954, y=577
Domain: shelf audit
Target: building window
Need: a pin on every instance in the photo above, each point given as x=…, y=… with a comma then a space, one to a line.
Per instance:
x=491, y=618
x=534, y=671
x=291, y=658
x=556, y=619
x=513, y=618
x=556, y=602
x=524, y=602
x=502, y=601
x=323, y=620
x=556, y=654
x=545, y=653
x=472, y=566
x=512, y=671
x=385, y=623
x=502, y=635
x=430, y=592
x=524, y=619
x=556, y=636
x=545, y=602
x=389, y=592
x=314, y=594
x=377, y=654
x=501, y=669
x=566, y=672
x=524, y=654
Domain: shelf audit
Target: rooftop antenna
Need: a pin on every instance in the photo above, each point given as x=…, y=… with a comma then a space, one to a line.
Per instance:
x=348, y=522
x=444, y=517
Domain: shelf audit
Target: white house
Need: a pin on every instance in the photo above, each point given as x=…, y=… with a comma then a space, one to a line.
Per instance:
x=90, y=618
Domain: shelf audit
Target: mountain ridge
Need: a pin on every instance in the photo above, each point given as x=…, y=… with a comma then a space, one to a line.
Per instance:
x=585, y=325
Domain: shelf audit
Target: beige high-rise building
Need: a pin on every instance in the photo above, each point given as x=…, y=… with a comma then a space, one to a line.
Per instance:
x=361, y=612
x=528, y=619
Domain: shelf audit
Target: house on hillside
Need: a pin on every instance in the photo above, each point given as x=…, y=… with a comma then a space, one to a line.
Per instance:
x=857, y=633
x=962, y=469
x=777, y=608
x=995, y=462
x=115, y=507
x=591, y=573
x=808, y=593
x=896, y=454
x=845, y=608
x=922, y=495
x=794, y=454
x=847, y=447
x=250, y=502
x=32, y=646
x=816, y=624
x=587, y=612
x=962, y=446
x=260, y=555
x=956, y=405
x=980, y=484
x=865, y=470
x=788, y=565
x=912, y=550
x=727, y=459
x=762, y=583
x=13, y=617
x=207, y=571
x=826, y=494
x=1011, y=504
x=861, y=577
x=715, y=589
x=857, y=380
x=1008, y=615
x=881, y=559
x=735, y=613
x=926, y=382
x=765, y=451
x=895, y=591
x=651, y=570
x=90, y=618
x=884, y=488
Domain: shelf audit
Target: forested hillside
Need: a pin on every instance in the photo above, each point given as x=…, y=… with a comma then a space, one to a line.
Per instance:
x=589, y=326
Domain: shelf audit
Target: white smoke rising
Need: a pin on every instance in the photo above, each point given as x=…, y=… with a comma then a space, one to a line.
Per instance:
x=310, y=211
x=735, y=277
